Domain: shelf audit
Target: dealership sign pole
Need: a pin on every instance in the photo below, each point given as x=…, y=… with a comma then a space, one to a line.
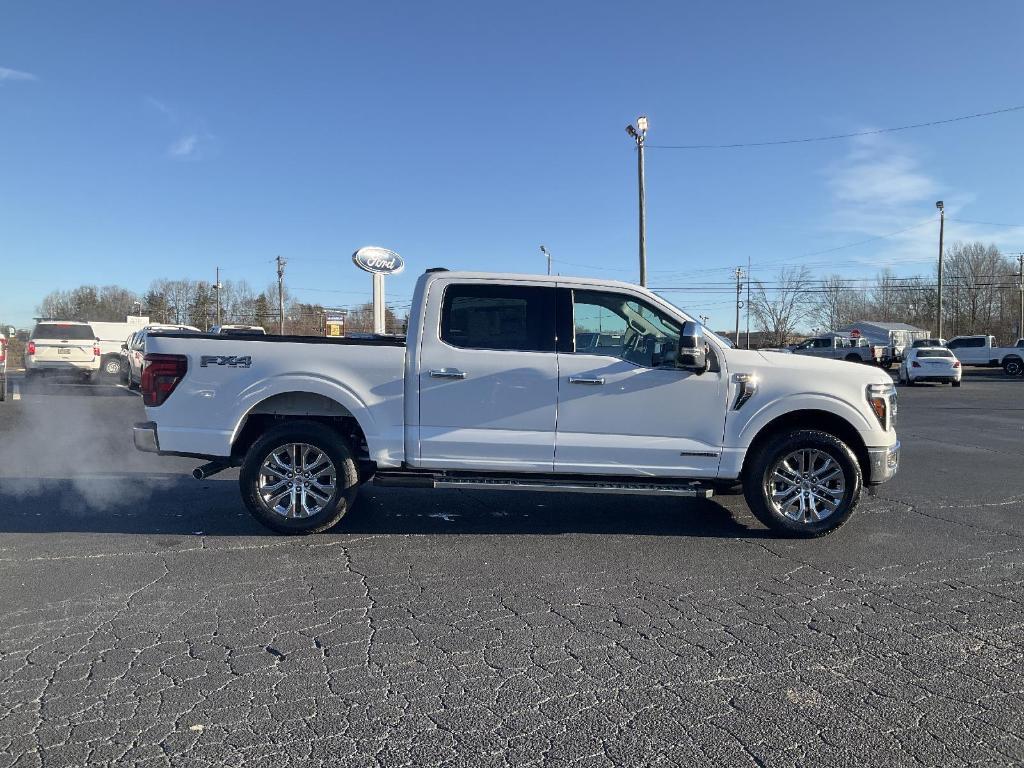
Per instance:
x=378, y=262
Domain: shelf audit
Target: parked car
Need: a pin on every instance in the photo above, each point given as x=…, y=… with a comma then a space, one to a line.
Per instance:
x=113, y=365
x=3, y=367
x=239, y=330
x=982, y=350
x=470, y=399
x=918, y=343
x=134, y=349
x=840, y=346
x=62, y=348
x=936, y=364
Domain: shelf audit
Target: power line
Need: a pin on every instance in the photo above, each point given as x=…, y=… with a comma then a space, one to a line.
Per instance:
x=837, y=136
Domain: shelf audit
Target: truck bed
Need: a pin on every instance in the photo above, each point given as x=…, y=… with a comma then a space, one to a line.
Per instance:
x=232, y=378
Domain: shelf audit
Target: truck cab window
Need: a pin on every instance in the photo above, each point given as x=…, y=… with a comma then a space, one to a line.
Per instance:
x=620, y=326
x=504, y=317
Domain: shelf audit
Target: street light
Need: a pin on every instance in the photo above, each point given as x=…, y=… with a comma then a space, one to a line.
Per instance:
x=544, y=250
x=942, y=226
x=639, y=133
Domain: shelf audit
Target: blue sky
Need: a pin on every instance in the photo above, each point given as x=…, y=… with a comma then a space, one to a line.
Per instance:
x=147, y=140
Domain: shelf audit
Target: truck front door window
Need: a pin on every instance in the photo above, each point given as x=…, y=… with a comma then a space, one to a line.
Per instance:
x=620, y=326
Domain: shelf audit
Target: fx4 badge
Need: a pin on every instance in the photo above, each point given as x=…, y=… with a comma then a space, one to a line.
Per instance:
x=229, y=360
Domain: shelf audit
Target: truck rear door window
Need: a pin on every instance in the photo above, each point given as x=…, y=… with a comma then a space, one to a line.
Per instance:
x=505, y=317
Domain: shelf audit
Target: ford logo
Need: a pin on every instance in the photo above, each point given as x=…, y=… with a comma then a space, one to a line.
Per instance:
x=380, y=261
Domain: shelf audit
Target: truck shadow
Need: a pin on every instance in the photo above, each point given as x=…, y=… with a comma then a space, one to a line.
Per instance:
x=175, y=505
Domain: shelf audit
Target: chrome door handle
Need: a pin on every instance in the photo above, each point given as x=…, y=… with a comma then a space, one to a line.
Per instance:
x=447, y=373
x=584, y=380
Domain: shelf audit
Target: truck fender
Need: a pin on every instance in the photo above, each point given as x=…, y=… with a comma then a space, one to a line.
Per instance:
x=306, y=383
x=805, y=401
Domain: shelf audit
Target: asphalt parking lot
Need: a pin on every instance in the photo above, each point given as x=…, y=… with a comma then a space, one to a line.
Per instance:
x=147, y=620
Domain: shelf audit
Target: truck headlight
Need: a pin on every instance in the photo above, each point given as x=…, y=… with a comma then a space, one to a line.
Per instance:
x=882, y=399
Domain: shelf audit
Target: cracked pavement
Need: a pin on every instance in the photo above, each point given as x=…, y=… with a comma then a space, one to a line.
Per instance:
x=146, y=620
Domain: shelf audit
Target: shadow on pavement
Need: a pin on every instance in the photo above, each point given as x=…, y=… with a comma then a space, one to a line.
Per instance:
x=173, y=504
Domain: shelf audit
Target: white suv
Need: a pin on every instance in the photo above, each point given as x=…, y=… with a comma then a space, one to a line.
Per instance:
x=62, y=347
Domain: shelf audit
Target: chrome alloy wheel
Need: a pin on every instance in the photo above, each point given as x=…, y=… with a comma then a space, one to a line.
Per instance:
x=806, y=485
x=296, y=480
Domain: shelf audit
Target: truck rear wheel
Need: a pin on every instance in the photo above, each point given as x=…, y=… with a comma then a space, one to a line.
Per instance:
x=299, y=478
x=1013, y=366
x=803, y=483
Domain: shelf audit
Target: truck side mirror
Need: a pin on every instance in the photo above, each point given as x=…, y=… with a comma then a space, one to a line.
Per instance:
x=693, y=350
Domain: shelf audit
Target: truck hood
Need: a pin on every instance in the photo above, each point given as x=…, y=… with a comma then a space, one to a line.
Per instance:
x=777, y=362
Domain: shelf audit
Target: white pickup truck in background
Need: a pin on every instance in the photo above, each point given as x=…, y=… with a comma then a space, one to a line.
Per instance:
x=500, y=386
x=982, y=350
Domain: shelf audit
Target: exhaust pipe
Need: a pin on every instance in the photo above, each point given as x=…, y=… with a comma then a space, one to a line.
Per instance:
x=209, y=470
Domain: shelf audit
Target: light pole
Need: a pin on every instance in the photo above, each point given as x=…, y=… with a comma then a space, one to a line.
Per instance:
x=639, y=133
x=545, y=252
x=217, y=287
x=942, y=226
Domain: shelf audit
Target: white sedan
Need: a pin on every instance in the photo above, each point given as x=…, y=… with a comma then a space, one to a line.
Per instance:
x=930, y=364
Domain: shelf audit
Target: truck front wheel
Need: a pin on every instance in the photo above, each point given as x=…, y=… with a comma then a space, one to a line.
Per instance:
x=803, y=483
x=299, y=478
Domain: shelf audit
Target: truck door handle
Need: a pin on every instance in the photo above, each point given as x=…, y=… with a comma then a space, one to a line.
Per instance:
x=584, y=380
x=447, y=373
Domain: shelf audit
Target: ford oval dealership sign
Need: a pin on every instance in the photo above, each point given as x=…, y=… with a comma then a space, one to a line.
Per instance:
x=379, y=261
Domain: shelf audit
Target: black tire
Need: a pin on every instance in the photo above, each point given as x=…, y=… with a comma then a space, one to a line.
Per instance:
x=1013, y=366
x=320, y=437
x=757, y=478
x=955, y=383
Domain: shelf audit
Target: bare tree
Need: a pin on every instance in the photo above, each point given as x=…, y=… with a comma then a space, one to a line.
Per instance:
x=779, y=310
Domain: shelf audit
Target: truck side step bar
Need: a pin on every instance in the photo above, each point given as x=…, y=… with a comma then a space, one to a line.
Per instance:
x=552, y=483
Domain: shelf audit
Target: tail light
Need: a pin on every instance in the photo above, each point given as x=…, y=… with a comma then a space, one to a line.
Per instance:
x=96, y=350
x=161, y=374
x=914, y=364
x=3, y=351
x=956, y=363
x=31, y=348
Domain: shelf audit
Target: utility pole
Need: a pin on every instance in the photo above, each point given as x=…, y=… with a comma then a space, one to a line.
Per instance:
x=545, y=252
x=1020, y=277
x=217, y=287
x=639, y=134
x=703, y=320
x=280, y=294
x=942, y=226
x=739, y=289
x=748, y=301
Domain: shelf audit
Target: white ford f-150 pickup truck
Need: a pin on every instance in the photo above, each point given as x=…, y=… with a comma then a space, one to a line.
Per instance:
x=492, y=388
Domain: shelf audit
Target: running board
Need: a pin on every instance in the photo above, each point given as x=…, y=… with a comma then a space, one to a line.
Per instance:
x=570, y=484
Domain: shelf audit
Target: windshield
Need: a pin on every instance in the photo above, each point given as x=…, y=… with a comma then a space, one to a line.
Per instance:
x=63, y=331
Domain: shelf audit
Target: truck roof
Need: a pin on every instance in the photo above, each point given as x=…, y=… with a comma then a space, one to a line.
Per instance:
x=462, y=275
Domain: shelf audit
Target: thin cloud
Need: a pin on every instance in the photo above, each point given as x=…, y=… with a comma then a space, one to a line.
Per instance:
x=193, y=140
x=878, y=188
x=11, y=75
x=159, y=106
x=184, y=147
